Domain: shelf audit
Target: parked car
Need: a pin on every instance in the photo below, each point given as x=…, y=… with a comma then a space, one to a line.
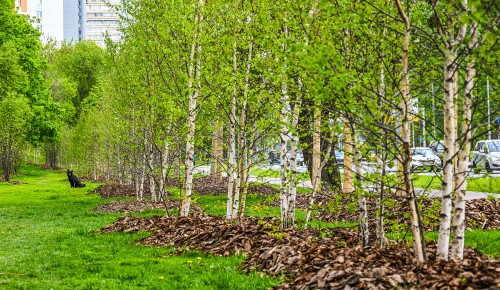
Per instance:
x=339, y=156
x=299, y=158
x=486, y=155
x=423, y=158
x=437, y=147
x=274, y=157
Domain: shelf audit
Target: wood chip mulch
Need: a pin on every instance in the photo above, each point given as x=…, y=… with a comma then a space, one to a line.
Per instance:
x=123, y=206
x=327, y=259
x=211, y=185
x=139, y=206
x=481, y=213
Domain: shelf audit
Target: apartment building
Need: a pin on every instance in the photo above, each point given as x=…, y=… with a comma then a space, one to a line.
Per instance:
x=73, y=20
x=101, y=19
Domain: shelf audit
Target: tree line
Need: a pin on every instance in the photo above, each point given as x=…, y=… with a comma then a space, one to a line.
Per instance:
x=225, y=82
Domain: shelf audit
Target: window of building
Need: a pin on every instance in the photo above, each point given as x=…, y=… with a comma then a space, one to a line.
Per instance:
x=39, y=14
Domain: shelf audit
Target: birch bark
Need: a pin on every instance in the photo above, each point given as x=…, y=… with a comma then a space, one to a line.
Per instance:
x=458, y=229
x=242, y=180
x=405, y=152
x=382, y=161
x=294, y=141
x=451, y=46
x=193, y=77
x=231, y=152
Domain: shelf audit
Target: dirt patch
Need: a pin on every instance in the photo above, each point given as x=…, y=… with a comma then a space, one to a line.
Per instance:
x=15, y=182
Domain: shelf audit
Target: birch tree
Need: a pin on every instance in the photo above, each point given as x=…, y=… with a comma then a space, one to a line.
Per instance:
x=405, y=154
x=458, y=230
x=452, y=33
x=194, y=87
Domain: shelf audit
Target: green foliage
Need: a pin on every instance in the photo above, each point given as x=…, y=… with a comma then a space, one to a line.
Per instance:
x=12, y=132
x=11, y=72
x=21, y=72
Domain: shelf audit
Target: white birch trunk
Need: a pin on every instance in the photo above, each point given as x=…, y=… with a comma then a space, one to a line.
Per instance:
x=364, y=233
x=284, y=138
x=292, y=195
x=142, y=178
x=237, y=190
x=458, y=230
x=382, y=161
x=243, y=146
x=245, y=180
x=164, y=166
x=195, y=57
x=449, y=144
x=152, y=188
x=451, y=43
x=405, y=154
x=232, y=142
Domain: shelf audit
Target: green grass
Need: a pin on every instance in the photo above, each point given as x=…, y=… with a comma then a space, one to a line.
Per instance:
x=48, y=240
x=270, y=173
x=481, y=184
x=486, y=242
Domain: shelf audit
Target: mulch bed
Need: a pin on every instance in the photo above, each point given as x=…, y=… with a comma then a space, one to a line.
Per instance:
x=329, y=258
x=139, y=206
x=211, y=185
x=115, y=190
x=481, y=213
x=207, y=185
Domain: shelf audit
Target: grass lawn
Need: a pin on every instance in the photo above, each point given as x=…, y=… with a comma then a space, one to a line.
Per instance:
x=271, y=173
x=48, y=241
x=480, y=184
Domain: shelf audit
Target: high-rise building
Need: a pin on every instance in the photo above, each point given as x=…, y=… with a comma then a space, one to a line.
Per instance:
x=101, y=19
x=73, y=20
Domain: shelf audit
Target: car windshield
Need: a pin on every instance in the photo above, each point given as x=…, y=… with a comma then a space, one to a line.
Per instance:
x=421, y=151
x=494, y=146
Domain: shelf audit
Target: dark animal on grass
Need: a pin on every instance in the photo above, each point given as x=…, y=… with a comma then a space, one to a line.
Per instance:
x=75, y=182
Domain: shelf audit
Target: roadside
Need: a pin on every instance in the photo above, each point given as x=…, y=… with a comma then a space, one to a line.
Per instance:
x=432, y=193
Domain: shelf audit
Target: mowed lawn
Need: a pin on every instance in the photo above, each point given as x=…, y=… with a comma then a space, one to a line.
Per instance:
x=48, y=240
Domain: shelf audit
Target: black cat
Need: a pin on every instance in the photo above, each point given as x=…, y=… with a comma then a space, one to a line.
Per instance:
x=73, y=180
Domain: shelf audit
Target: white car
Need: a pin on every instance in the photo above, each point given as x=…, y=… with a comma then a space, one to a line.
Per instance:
x=486, y=155
x=423, y=158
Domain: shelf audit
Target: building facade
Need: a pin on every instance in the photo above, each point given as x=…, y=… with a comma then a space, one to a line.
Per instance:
x=100, y=20
x=73, y=20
